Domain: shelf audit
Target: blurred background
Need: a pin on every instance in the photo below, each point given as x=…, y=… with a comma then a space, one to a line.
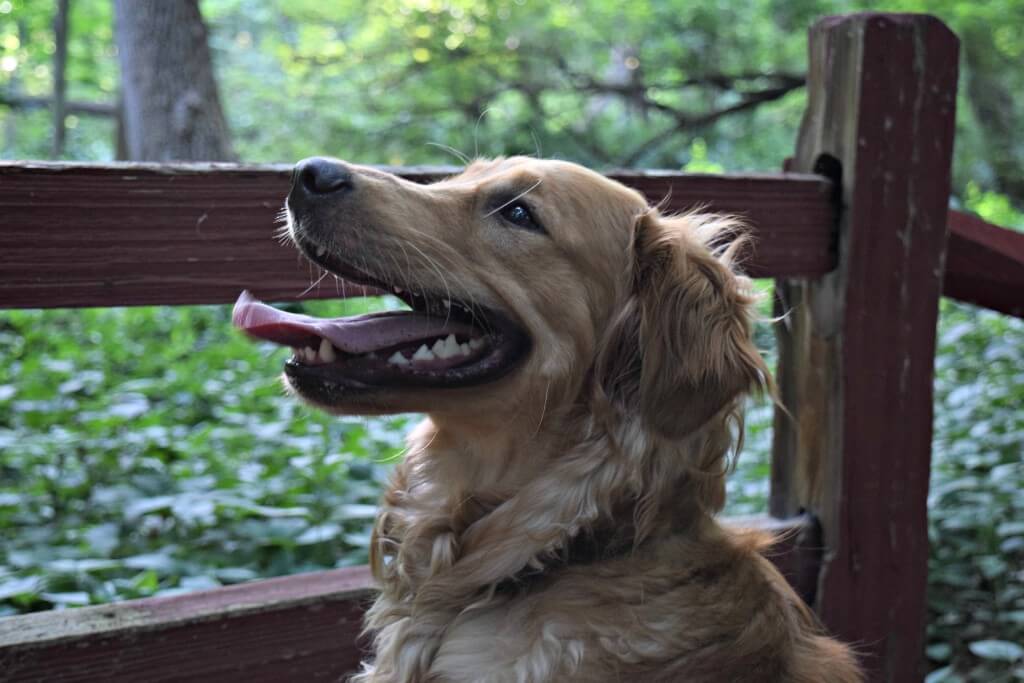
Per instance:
x=150, y=450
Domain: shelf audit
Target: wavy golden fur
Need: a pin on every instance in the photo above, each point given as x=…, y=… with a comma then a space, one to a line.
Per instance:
x=559, y=524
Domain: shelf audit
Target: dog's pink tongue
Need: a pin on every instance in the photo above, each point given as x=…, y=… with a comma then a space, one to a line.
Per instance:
x=358, y=334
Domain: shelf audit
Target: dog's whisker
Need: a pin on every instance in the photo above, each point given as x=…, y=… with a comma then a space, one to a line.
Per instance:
x=451, y=150
x=451, y=253
x=476, y=132
x=514, y=199
x=307, y=290
x=430, y=261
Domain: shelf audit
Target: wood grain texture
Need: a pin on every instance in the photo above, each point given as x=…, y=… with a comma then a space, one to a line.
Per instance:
x=985, y=264
x=131, y=234
x=857, y=349
x=295, y=628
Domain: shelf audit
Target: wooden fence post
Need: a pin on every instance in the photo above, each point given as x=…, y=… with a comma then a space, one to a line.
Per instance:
x=857, y=348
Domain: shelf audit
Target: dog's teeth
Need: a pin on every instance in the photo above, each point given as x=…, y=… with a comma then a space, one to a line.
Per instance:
x=327, y=351
x=447, y=303
x=320, y=251
x=398, y=359
x=446, y=348
x=451, y=346
x=439, y=349
x=423, y=353
x=309, y=354
x=464, y=348
x=475, y=343
x=398, y=290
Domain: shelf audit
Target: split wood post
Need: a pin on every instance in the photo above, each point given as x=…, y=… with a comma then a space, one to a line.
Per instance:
x=857, y=348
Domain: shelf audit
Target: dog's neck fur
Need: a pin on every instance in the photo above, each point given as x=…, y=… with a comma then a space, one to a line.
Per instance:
x=466, y=512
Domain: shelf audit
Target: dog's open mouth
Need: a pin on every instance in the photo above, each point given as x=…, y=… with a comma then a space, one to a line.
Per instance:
x=440, y=342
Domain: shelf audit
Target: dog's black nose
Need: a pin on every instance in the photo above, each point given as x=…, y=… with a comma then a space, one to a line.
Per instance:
x=319, y=176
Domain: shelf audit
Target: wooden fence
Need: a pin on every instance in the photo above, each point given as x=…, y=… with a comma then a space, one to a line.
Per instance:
x=855, y=235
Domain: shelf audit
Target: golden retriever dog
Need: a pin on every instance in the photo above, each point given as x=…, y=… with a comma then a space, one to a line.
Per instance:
x=582, y=360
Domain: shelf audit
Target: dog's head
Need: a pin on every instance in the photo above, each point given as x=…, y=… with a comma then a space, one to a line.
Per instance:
x=530, y=284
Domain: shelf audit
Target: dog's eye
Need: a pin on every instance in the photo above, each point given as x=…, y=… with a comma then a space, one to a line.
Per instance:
x=518, y=215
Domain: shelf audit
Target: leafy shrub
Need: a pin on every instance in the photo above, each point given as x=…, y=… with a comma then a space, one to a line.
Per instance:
x=152, y=450
x=976, y=503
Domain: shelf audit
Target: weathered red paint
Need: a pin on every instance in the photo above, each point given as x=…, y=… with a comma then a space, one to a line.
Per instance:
x=985, y=264
x=857, y=352
x=129, y=234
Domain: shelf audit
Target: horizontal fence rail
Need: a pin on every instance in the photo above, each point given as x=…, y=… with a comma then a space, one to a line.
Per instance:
x=133, y=234
x=297, y=628
x=136, y=234
x=985, y=264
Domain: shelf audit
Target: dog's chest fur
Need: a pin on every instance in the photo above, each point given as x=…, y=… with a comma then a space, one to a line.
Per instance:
x=477, y=588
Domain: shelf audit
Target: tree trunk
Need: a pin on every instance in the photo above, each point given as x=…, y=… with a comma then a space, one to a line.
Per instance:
x=171, y=107
x=60, y=62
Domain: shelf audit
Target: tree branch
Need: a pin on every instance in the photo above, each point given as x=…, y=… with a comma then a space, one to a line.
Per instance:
x=71, y=107
x=688, y=121
x=728, y=82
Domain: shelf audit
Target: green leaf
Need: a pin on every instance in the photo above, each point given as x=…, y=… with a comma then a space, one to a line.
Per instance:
x=319, y=534
x=146, y=582
x=196, y=583
x=1002, y=650
x=357, y=511
x=1010, y=529
x=939, y=652
x=159, y=562
x=14, y=587
x=9, y=499
x=943, y=675
x=73, y=598
x=235, y=574
x=71, y=566
x=263, y=510
x=144, y=506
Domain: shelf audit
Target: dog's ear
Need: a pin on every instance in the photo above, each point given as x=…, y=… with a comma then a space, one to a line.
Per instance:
x=680, y=349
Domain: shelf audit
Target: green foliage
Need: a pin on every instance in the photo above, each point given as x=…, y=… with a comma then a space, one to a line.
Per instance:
x=26, y=55
x=378, y=82
x=976, y=504
x=152, y=450
x=993, y=207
